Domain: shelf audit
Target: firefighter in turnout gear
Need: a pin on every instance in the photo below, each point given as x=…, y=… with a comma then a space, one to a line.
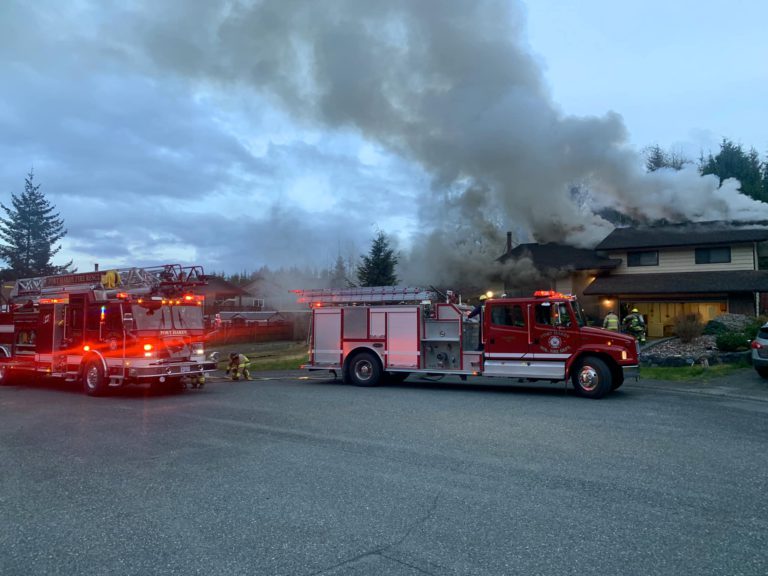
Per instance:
x=238, y=366
x=611, y=321
x=635, y=325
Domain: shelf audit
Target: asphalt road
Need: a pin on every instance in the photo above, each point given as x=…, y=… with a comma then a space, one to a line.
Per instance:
x=298, y=477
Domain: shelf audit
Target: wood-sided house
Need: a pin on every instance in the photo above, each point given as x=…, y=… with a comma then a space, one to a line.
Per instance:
x=667, y=271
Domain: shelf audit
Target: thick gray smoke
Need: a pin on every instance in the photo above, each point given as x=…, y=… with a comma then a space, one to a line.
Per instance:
x=450, y=84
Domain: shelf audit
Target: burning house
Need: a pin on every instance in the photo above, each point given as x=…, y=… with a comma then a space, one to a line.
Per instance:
x=704, y=268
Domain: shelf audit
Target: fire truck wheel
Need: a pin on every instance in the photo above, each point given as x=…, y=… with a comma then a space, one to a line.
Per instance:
x=618, y=380
x=397, y=377
x=365, y=370
x=592, y=378
x=94, y=382
x=5, y=375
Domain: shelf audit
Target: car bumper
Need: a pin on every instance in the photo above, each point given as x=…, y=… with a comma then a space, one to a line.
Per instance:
x=758, y=361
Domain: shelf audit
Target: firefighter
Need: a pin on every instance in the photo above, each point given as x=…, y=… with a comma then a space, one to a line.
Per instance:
x=238, y=366
x=635, y=325
x=611, y=321
x=479, y=307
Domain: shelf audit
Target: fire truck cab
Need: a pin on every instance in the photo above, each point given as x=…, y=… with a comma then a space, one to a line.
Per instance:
x=107, y=329
x=370, y=334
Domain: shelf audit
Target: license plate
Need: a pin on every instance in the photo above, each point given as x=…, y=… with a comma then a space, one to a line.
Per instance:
x=185, y=368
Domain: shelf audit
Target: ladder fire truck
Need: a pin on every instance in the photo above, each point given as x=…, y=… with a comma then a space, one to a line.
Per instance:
x=368, y=335
x=107, y=329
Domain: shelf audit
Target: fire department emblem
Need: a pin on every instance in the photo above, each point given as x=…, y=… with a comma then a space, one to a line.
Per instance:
x=554, y=342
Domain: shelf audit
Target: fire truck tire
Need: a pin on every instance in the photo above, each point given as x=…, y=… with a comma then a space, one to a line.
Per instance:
x=364, y=370
x=592, y=378
x=5, y=375
x=397, y=377
x=94, y=382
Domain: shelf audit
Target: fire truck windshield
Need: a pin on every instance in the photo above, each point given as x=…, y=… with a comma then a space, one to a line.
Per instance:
x=578, y=312
x=168, y=317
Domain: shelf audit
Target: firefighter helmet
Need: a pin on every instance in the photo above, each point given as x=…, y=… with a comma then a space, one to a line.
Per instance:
x=635, y=310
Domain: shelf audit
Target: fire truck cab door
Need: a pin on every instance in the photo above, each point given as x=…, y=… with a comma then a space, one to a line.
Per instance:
x=554, y=337
x=506, y=328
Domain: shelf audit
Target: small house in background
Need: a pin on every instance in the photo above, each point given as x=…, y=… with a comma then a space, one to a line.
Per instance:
x=696, y=268
x=223, y=295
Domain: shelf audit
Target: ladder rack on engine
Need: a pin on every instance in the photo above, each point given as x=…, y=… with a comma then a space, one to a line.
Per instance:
x=367, y=295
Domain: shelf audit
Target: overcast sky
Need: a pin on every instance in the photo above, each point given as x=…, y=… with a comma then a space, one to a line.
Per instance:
x=242, y=133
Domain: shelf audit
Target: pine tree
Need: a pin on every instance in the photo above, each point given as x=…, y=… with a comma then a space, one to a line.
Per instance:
x=733, y=162
x=378, y=267
x=30, y=231
x=656, y=158
x=337, y=276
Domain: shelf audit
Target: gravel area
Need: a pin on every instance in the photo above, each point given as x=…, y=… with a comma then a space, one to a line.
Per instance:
x=701, y=346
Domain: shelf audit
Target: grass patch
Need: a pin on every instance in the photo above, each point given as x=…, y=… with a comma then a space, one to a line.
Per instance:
x=266, y=355
x=689, y=373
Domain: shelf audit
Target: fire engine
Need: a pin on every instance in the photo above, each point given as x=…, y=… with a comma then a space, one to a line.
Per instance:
x=368, y=335
x=107, y=329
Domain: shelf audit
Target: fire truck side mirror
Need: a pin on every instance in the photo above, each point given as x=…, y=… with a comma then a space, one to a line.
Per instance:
x=128, y=322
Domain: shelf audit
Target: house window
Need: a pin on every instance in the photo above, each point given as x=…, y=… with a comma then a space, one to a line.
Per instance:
x=713, y=255
x=644, y=258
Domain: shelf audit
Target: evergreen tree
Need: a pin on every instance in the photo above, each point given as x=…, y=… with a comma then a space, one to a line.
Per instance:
x=378, y=267
x=337, y=276
x=656, y=157
x=733, y=162
x=29, y=232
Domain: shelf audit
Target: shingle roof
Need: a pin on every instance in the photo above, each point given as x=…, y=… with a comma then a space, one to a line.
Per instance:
x=690, y=234
x=685, y=282
x=560, y=256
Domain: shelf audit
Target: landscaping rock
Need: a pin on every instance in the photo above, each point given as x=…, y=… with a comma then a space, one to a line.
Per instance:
x=702, y=350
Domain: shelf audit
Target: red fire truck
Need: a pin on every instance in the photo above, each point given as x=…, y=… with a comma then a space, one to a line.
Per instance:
x=369, y=334
x=107, y=329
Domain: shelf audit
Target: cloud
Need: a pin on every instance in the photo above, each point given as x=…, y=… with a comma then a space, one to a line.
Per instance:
x=240, y=133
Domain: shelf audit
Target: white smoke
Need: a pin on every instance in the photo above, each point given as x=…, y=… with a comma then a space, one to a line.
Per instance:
x=449, y=84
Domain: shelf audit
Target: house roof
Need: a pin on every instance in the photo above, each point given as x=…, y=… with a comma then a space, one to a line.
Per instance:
x=220, y=289
x=560, y=256
x=677, y=283
x=689, y=234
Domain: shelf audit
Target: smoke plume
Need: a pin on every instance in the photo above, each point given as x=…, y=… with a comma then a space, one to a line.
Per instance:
x=451, y=85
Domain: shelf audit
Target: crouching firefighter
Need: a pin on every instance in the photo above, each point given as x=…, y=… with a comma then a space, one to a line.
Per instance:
x=238, y=366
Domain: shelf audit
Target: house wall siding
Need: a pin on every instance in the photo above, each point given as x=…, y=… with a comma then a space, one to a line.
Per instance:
x=684, y=260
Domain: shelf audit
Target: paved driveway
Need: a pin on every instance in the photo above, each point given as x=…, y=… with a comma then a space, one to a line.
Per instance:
x=284, y=476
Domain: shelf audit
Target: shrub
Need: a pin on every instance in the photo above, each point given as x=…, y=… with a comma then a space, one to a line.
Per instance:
x=753, y=326
x=714, y=328
x=688, y=327
x=732, y=341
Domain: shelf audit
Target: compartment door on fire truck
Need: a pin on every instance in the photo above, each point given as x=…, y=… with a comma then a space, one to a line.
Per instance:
x=554, y=337
x=326, y=335
x=506, y=328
